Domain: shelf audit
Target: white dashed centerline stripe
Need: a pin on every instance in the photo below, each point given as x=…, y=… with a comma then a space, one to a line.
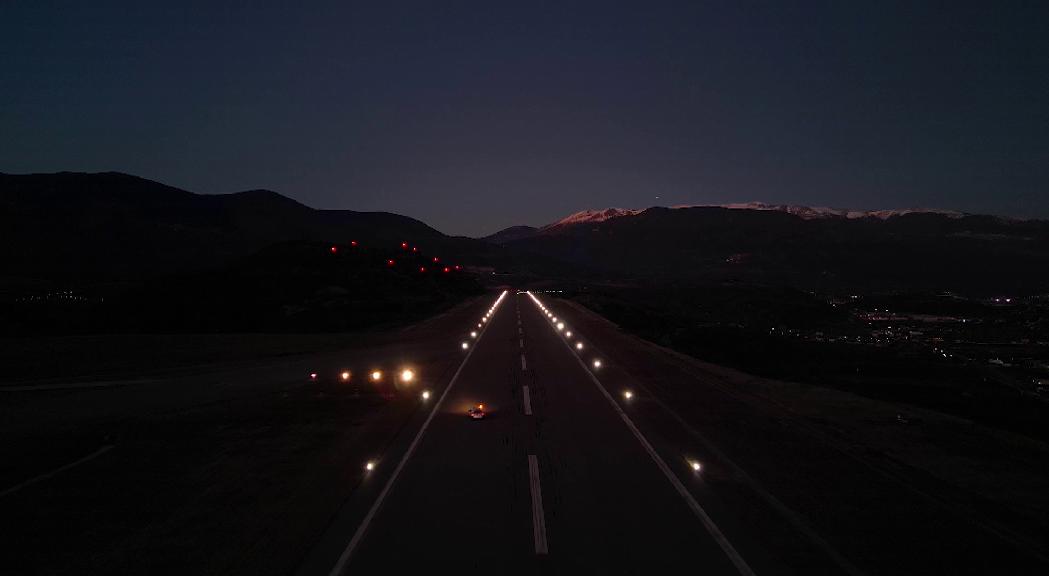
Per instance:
x=524, y=365
x=538, y=520
x=520, y=344
x=527, y=401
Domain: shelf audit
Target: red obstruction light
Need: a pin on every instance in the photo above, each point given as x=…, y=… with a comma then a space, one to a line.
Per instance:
x=446, y=270
x=422, y=268
x=436, y=259
x=415, y=248
x=458, y=267
x=353, y=243
x=404, y=245
x=334, y=249
x=390, y=262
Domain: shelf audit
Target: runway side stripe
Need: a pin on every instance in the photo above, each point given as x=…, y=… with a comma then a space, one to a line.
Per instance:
x=741, y=565
x=344, y=558
x=538, y=519
x=57, y=471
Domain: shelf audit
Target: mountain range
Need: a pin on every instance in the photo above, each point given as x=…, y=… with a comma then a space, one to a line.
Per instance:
x=78, y=228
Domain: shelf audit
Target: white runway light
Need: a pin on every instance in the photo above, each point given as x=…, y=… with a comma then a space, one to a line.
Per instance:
x=696, y=466
x=370, y=465
x=407, y=375
x=426, y=394
x=578, y=345
x=376, y=375
x=597, y=363
x=560, y=325
x=473, y=334
x=465, y=345
x=568, y=334
x=628, y=394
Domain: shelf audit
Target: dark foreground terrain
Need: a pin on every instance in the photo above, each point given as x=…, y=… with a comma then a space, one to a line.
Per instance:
x=257, y=468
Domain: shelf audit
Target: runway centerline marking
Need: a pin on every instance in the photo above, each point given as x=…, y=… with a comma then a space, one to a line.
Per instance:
x=520, y=343
x=527, y=401
x=358, y=535
x=538, y=519
x=524, y=365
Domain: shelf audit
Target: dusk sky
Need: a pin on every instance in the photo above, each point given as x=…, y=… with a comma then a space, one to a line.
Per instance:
x=477, y=116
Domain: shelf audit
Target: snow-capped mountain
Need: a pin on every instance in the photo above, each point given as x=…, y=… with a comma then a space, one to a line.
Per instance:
x=591, y=216
x=811, y=212
x=806, y=212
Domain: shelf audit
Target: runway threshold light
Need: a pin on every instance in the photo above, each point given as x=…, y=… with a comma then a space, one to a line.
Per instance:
x=407, y=375
x=345, y=375
x=376, y=375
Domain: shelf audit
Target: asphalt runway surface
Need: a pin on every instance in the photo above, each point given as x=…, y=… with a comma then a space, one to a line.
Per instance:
x=577, y=468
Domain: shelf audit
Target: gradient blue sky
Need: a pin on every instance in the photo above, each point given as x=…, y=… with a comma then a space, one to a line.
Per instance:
x=477, y=116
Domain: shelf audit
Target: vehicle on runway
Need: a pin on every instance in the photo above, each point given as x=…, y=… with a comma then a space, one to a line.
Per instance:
x=476, y=412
